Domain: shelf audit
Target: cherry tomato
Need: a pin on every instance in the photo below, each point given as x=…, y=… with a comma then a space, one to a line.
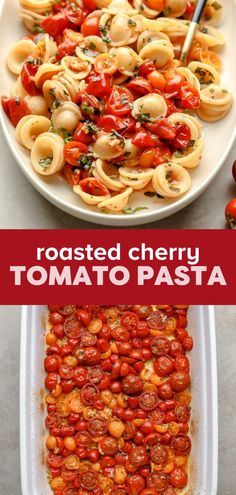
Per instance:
x=80, y=376
x=73, y=151
x=89, y=394
x=72, y=328
x=51, y=363
x=159, y=481
x=181, y=363
x=155, y=4
x=97, y=427
x=157, y=80
x=54, y=460
x=119, y=102
x=91, y=356
x=55, y=24
x=132, y=385
x=189, y=96
x=105, y=64
x=179, y=381
x=159, y=454
x=120, y=334
x=182, y=137
x=182, y=412
x=143, y=139
x=163, y=128
x=67, y=47
x=93, y=186
x=15, y=108
x=181, y=444
x=89, y=480
x=66, y=372
x=160, y=346
x=89, y=5
x=178, y=478
x=129, y=320
x=140, y=85
x=99, y=85
x=81, y=135
x=51, y=381
x=146, y=68
x=230, y=213
x=187, y=343
x=109, y=123
x=90, y=26
x=157, y=320
x=138, y=456
x=109, y=445
x=135, y=484
x=163, y=366
x=165, y=391
x=148, y=400
x=173, y=86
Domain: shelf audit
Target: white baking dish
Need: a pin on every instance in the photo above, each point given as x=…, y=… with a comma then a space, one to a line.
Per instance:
x=204, y=427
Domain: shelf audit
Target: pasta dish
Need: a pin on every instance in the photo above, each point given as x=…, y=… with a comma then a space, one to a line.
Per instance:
x=102, y=99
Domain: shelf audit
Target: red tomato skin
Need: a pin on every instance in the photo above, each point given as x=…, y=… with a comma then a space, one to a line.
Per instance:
x=55, y=25
x=143, y=140
x=140, y=85
x=99, y=85
x=15, y=108
x=189, y=96
x=67, y=47
x=230, y=213
x=119, y=101
x=90, y=26
x=146, y=68
x=27, y=73
x=81, y=136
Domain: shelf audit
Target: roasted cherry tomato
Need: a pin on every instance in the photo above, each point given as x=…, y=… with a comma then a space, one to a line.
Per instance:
x=28, y=71
x=143, y=139
x=99, y=85
x=105, y=64
x=73, y=151
x=15, y=108
x=189, y=96
x=182, y=137
x=139, y=85
x=93, y=186
x=119, y=102
x=230, y=213
x=90, y=26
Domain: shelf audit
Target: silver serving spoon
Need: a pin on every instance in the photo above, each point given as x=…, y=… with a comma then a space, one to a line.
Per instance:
x=200, y=5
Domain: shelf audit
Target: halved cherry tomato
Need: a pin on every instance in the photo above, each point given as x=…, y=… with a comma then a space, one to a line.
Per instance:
x=67, y=47
x=119, y=102
x=73, y=151
x=55, y=24
x=189, y=96
x=157, y=80
x=93, y=186
x=90, y=26
x=173, y=86
x=162, y=155
x=182, y=137
x=29, y=69
x=81, y=135
x=15, y=108
x=155, y=4
x=143, y=139
x=73, y=177
x=146, y=158
x=163, y=129
x=109, y=123
x=98, y=85
x=140, y=85
x=89, y=5
x=105, y=64
x=145, y=68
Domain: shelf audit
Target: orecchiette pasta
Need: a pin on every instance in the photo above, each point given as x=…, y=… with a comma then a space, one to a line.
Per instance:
x=103, y=98
x=170, y=180
x=116, y=203
x=47, y=154
x=29, y=128
x=215, y=103
x=18, y=53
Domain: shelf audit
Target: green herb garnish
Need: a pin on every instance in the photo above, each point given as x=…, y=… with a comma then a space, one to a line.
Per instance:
x=45, y=162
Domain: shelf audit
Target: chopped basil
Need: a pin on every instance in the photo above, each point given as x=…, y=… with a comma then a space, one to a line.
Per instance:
x=129, y=211
x=114, y=134
x=37, y=29
x=179, y=153
x=143, y=117
x=91, y=127
x=166, y=12
x=131, y=22
x=151, y=194
x=191, y=143
x=216, y=6
x=85, y=161
x=52, y=91
x=175, y=189
x=45, y=162
x=86, y=108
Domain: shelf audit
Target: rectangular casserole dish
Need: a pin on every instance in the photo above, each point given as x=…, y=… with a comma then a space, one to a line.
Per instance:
x=203, y=466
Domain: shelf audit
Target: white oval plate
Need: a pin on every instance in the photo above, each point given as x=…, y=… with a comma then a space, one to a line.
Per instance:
x=218, y=137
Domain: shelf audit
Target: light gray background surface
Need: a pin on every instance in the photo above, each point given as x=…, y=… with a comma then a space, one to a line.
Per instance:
x=21, y=206
x=9, y=406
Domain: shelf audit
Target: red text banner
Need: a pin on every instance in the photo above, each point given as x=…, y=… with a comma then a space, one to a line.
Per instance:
x=117, y=266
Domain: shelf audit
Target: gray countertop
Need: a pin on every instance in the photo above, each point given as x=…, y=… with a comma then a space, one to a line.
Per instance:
x=9, y=391
x=21, y=206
